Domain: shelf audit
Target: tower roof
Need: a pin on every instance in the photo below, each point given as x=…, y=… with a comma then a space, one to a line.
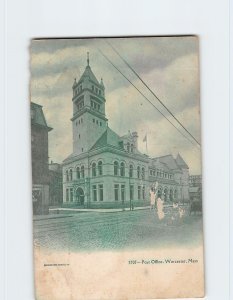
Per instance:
x=88, y=73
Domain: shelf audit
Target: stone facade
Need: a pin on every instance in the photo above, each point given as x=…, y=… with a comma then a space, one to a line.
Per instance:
x=55, y=184
x=107, y=170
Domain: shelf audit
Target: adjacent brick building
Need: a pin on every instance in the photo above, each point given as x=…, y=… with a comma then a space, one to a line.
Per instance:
x=39, y=155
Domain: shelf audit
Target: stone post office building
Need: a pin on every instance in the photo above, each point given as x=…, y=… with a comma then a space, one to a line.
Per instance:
x=107, y=170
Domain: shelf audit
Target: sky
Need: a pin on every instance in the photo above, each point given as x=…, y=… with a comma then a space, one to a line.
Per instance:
x=168, y=65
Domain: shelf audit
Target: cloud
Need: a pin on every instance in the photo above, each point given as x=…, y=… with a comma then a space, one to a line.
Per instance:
x=168, y=65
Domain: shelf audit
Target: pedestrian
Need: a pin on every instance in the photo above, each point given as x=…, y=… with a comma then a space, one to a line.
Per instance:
x=160, y=211
x=152, y=198
x=176, y=215
x=156, y=184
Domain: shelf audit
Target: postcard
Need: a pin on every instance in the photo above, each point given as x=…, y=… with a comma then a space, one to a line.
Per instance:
x=116, y=168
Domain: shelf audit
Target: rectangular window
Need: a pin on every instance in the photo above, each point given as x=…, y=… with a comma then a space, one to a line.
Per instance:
x=67, y=195
x=131, y=192
x=101, y=192
x=71, y=195
x=94, y=193
x=139, y=192
x=122, y=193
x=143, y=193
x=116, y=192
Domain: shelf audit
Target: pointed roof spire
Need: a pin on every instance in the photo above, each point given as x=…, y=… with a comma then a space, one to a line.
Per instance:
x=102, y=82
x=88, y=58
x=75, y=82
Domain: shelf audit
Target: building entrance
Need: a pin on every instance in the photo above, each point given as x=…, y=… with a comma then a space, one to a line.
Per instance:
x=80, y=196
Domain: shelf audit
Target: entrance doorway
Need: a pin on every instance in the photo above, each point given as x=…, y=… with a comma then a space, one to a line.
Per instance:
x=165, y=195
x=80, y=196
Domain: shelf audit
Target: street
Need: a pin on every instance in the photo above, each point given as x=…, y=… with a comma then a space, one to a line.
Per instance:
x=91, y=231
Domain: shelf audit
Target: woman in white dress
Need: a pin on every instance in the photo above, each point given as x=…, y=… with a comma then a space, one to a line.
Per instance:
x=152, y=199
x=160, y=211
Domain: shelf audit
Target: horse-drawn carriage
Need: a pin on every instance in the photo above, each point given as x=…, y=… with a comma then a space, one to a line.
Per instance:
x=195, y=206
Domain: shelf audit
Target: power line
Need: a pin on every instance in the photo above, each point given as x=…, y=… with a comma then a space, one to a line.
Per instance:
x=160, y=101
x=145, y=96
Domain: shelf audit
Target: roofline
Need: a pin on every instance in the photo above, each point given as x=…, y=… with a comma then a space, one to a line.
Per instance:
x=163, y=156
x=101, y=150
x=42, y=126
x=36, y=104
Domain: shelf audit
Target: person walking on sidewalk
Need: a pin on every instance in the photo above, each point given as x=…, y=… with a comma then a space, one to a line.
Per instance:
x=160, y=211
x=152, y=198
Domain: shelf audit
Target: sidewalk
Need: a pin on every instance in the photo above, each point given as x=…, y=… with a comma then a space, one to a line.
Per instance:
x=99, y=210
x=62, y=212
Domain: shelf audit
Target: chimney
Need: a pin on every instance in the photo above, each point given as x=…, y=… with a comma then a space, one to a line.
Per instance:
x=135, y=139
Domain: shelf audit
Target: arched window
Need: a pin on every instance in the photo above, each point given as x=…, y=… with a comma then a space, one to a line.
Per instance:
x=171, y=195
x=122, y=171
x=131, y=148
x=128, y=147
x=160, y=192
x=67, y=175
x=94, y=169
x=116, y=167
x=143, y=173
x=100, y=167
x=138, y=172
x=78, y=172
x=82, y=172
x=131, y=171
x=71, y=175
